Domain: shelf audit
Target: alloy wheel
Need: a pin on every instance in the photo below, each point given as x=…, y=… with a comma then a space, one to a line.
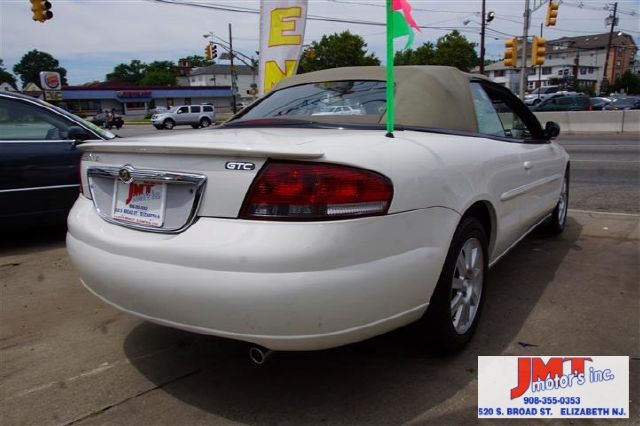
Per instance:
x=466, y=288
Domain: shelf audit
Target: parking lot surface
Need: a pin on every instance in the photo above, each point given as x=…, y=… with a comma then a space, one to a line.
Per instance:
x=67, y=358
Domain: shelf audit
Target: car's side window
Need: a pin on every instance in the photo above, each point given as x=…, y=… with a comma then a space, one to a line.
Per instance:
x=183, y=110
x=195, y=109
x=207, y=108
x=488, y=121
x=21, y=121
x=511, y=113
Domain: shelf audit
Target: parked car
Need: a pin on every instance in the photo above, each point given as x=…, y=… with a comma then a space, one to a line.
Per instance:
x=193, y=115
x=339, y=110
x=624, y=102
x=564, y=103
x=540, y=94
x=39, y=160
x=297, y=231
x=598, y=103
x=103, y=120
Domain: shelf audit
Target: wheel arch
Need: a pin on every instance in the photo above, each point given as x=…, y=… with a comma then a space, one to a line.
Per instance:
x=484, y=211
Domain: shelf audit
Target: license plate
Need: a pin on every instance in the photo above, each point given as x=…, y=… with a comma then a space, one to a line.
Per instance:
x=142, y=203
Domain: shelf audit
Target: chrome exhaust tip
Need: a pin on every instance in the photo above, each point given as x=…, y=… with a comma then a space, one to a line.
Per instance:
x=259, y=355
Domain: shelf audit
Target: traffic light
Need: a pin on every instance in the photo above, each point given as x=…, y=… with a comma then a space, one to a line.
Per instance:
x=211, y=51
x=552, y=13
x=511, y=52
x=538, y=51
x=41, y=10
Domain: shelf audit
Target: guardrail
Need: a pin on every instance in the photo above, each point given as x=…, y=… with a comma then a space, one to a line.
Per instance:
x=593, y=121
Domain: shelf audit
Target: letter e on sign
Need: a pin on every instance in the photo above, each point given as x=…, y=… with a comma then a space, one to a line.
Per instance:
x=284, y=20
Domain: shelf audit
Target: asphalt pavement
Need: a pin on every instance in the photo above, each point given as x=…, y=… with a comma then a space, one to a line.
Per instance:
x=69, y=359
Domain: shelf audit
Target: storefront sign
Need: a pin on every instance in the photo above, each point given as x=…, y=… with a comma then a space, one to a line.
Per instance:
x=282, y=24
x=134, y=94
x=50, y=80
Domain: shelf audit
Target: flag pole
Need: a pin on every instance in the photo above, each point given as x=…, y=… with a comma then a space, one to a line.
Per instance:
x=390, y=77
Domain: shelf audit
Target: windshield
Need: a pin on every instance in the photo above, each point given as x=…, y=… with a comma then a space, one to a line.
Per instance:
x=330, y=102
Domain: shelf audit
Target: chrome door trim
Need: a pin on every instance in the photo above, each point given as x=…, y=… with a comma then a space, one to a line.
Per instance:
x=157, y=176
x=512, y=193
x=37, y=188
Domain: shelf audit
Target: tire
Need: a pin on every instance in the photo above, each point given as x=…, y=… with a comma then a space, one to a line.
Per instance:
x=169, y=124
x=536, y=101
x=558, y=220
x=460, y=282
x=158, y=127
x=205, y=122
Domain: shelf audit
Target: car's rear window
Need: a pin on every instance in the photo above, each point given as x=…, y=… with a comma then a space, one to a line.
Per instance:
x=332, y=101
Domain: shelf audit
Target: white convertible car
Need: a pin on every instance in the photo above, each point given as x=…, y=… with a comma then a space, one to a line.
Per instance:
x=297, y=231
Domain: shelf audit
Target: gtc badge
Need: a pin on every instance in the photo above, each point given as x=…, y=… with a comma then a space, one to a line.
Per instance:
x=239, y=165
x=125, y=176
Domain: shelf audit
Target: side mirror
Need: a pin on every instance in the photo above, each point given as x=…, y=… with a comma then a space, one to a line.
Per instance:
x=552, y=129
x=77, y=134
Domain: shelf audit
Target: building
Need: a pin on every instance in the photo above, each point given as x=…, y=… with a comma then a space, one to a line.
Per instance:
x=220, y=75
x=567, y=59
x=6, y=87
x=138, y=100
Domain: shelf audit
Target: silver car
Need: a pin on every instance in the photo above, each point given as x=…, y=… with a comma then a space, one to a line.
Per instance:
x=193, y=115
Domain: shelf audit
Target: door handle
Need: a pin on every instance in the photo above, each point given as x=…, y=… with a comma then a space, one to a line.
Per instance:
x=527, y=165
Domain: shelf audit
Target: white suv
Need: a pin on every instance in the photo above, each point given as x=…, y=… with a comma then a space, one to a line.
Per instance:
x=194, y=115
x=540, y=94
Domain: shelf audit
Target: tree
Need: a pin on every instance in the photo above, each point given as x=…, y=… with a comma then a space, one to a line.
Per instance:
x=628, y=82
x=33, y=62
x=455, y=50
x=199, y=61
x=6, y=76
x=159, y=73
x=127, y=73
x=337, y=50
x=423, y=55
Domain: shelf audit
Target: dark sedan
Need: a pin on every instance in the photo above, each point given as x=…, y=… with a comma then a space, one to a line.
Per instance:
x=564, y=103
x=39, y=160
x=598, y=103
x=103, y=120
x=625, y=102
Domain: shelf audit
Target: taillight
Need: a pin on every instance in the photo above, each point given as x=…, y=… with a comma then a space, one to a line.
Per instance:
x=316, y=191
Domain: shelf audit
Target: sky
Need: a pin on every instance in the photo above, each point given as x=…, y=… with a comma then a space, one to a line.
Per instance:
x=90, y=37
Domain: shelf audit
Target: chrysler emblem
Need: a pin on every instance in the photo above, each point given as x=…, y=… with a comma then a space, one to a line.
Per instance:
x=125, y=176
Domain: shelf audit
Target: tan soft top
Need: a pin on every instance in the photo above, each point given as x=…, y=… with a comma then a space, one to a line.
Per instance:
x=426, y=96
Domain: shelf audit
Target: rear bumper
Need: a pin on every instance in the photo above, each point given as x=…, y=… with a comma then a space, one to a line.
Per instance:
x=285, y=286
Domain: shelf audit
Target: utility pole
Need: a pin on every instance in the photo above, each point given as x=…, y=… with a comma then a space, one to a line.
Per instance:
x=540, y=70
x=233, y=73
x=482, y=37
x=525, y=33
x=604, y=86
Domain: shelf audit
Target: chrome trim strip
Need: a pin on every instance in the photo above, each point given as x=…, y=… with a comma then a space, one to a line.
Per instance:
x=512, y=193
x=494, y=261
x=150, y=175
x=37, y=188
